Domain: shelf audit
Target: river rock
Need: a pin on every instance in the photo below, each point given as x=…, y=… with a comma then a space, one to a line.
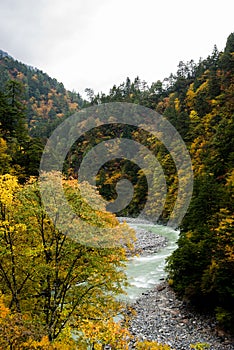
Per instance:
x=147, y=242
x=162, y=317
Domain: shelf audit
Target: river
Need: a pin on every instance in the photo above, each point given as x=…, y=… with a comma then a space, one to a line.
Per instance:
x=144, y=272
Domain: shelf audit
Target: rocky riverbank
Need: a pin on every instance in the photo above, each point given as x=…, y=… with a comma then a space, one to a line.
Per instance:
x=162, y=317
x=147, y=242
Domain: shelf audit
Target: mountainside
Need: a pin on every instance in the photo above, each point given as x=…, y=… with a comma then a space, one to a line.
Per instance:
x=47, y=101
x=199, y=101
x=32, y=104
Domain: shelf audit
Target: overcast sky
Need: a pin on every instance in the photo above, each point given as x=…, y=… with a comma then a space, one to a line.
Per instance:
x=98, y=43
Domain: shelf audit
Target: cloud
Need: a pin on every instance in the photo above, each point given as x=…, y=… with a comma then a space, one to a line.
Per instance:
x=99, y=43
x=20, y=25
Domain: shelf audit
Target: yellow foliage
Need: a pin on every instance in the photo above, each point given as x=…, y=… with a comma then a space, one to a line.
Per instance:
x=4, y=311
x=8, y=186
x=194, y=118
x=16, y=332
x=225, y=235
x=151, y=345
x=203, y=86
x=97, y=275
x=177, y=104
x=190, y=96
x=105, y=332
x=4, y=157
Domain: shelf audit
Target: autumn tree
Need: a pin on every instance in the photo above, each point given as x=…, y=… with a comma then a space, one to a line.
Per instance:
x=49, y=275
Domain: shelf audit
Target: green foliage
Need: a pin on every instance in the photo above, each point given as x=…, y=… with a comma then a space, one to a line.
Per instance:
x=19, y=153
x=224, y=317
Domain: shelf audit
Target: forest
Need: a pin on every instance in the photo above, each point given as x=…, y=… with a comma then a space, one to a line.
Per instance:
x=58, y=294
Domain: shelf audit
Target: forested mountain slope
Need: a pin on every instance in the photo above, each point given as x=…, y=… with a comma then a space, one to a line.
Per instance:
x=199, y=101
x=32, y=104
x=47, y=101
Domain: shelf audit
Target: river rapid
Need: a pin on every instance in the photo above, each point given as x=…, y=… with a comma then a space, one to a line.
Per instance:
x=144, y=272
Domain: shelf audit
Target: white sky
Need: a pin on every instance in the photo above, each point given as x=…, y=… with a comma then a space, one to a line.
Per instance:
x=98, y=43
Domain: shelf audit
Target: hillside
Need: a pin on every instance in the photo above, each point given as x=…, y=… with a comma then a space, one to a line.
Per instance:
x=32, y=104
x=47, y=101
x=66, y=284
x=199, y=101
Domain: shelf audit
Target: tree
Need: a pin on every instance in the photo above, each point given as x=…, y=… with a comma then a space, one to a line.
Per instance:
x=16, y=116
x=90, y=94
x=20, y=332
x=4, y=157
x=49, y=275
x=97, y=334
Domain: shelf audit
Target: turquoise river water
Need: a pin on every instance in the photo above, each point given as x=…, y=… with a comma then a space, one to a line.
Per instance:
x=147, y=271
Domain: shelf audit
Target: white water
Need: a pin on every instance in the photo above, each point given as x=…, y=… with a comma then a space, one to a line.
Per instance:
x=145, y=272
